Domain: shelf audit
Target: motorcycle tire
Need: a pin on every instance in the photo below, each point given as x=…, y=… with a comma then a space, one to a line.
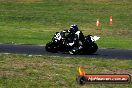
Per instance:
x=50, y=47
x=92, y=48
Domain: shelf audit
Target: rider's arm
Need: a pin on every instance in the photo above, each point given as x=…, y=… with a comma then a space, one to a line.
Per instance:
x=66, y=31
x=75, y=41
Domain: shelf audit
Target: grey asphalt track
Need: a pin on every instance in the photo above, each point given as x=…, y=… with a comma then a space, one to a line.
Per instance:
x=40, y=50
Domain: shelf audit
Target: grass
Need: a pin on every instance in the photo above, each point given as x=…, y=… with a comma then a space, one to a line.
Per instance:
x=19, y=71
x=35, y=21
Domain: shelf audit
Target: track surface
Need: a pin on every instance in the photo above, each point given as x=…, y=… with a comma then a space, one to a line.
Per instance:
x=40, y=50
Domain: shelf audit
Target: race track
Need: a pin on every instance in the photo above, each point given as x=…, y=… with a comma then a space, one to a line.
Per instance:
x=40, y=50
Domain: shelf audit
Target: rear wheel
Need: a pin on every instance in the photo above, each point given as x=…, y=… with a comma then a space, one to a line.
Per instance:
x=91, y=49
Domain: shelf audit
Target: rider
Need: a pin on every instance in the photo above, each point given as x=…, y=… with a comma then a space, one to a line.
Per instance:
x=75, y=35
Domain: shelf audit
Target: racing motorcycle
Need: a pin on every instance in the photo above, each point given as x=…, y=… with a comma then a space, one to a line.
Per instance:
x=60, y=40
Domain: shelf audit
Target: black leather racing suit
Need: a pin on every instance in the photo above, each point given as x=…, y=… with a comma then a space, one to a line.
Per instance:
x=74, y=39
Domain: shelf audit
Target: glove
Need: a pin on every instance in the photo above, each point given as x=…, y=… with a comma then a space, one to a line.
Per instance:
x=70, y=44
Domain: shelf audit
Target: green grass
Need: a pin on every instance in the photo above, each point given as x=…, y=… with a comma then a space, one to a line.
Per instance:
x=19, y=71
x=35, y=21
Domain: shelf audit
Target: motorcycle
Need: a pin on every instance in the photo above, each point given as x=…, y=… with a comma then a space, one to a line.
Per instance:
x=60, y=40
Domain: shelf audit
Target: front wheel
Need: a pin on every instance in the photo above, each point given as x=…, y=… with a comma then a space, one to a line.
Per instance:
x=50, y=47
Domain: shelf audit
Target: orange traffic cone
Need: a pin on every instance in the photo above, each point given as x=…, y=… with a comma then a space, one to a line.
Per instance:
x=110, y=19
x=97, y=23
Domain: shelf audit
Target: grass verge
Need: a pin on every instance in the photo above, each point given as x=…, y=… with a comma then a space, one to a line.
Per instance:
x=19, y=71
x=35, y=21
